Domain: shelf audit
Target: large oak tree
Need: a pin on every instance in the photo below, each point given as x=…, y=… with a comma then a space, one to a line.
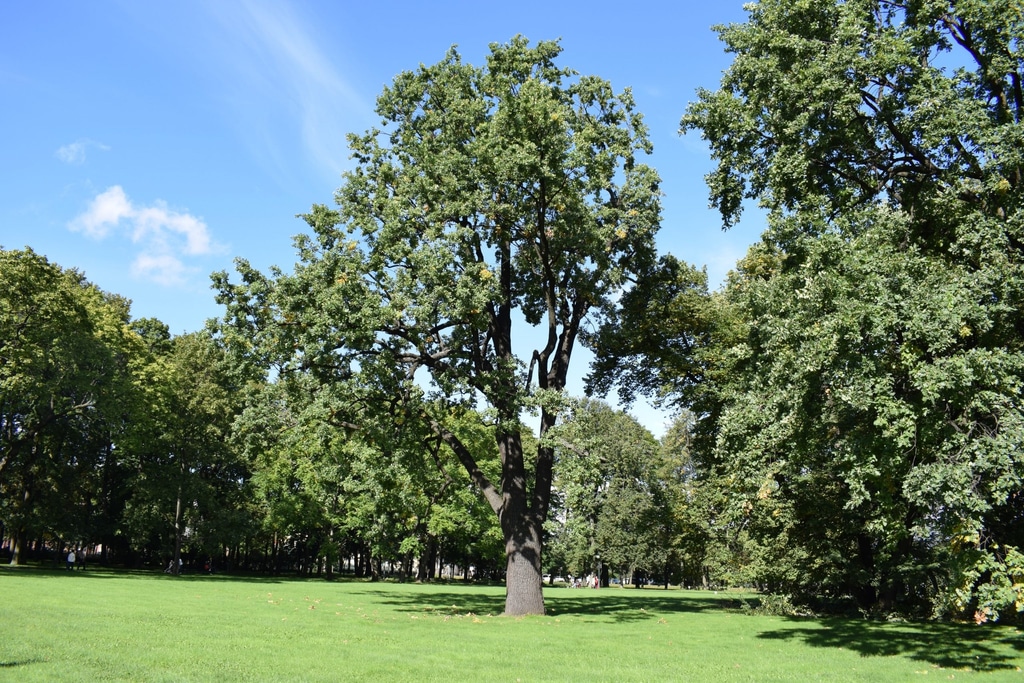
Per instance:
x=492, y=200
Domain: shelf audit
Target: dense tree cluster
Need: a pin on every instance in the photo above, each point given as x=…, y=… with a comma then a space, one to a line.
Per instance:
x=857, y=383
x=120, y=439
x=65, y=380
x=849, y=430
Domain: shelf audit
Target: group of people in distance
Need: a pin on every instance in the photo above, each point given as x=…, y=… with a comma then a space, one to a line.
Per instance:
x=207, y=567
x=76, y=558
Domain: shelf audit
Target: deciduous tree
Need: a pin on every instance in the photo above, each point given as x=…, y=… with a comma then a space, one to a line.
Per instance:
x=869, y=425
x=613, y=503
x=496, y=198
x=65, y=379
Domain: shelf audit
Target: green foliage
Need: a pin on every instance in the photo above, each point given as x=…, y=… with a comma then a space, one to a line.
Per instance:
x=513, y=187
x=649, y=342
x=111, y=432
x=66, y=378
x=830, y=105
x=774, y=605
x=612, y=503
x=185, y=479
x=865, y=414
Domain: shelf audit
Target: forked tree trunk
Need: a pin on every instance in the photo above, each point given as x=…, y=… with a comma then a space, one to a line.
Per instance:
x=521, y=513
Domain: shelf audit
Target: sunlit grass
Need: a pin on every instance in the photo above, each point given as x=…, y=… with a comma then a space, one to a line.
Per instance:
x=99, y=625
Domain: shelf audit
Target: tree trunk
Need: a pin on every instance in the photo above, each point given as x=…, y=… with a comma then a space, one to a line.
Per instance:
x=176, y=566
x=428, y=560
x=376, y=568
x=521, y=526
x=523, y=578
x=21, y=533
x=18, y=546
x=865, y=593
x=521, y=512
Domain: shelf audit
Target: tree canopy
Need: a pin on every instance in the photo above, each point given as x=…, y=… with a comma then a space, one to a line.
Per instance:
x=612, y=506
x=496, y=198
x=65, y=379
x=868, y=416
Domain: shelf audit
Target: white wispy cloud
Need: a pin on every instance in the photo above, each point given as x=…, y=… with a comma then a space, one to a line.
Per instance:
x=276, y=56
x=75, y=152
x=164, y=237
x=163, y=269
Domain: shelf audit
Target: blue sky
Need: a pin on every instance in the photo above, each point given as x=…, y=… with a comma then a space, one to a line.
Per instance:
x=149, y=144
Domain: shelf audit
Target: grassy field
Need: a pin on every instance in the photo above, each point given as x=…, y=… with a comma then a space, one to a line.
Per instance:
x=101, y=625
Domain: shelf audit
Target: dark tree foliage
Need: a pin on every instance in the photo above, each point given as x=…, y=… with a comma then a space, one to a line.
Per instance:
x=857, y=383
x=64, y=384
x=870, y=416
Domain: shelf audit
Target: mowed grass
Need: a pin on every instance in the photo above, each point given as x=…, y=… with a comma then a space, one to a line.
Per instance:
x=102, y=625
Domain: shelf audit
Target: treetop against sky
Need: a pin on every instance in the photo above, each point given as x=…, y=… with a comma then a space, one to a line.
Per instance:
x=155, y=144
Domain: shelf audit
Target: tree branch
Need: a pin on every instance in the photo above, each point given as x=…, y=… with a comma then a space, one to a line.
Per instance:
x=476, y=475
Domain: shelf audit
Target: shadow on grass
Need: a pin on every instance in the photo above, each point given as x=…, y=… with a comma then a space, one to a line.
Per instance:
x=99, y=572
x=13, y=664
x=617, y=605
x=950, y=646
x=638, y=605
x=43, y=572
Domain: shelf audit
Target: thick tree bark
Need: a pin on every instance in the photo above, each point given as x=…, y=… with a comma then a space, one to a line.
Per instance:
x=18, y=546
x=523, y=579
x=521, y=520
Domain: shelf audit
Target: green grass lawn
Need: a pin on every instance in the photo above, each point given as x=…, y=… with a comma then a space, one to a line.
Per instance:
x=101, y=625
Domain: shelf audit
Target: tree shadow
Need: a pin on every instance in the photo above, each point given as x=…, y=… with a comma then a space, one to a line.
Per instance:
x=453, y=603
x=15, y=663
x=100, y=572
x=43, y=572
x=638, y=605
x=945, y=645
x=617, y=605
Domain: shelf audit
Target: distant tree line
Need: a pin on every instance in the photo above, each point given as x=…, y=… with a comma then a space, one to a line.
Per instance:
x=149, y=448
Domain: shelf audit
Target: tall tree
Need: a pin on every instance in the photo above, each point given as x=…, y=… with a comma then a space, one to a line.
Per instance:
x=613, y=507
x=493, y=199
x=65, y=350
x=187, y=476
x=869, y=428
